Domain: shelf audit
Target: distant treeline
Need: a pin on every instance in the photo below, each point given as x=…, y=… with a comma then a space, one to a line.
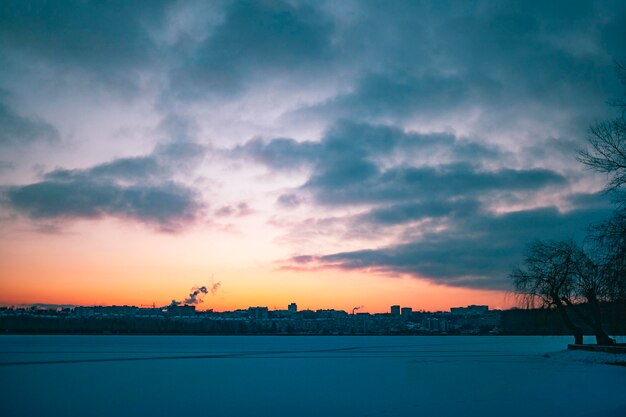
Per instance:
x=33, y=324
x=120, y=325
x=513, y=322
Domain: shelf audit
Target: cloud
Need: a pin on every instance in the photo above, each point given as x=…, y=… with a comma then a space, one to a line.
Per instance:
x=357, y=163
x=377, y=96
x=391, y=62
x=137, y=188
x=289, y=200
x=167, y=207
x=431, y=196
x=364, y=183
x=599, y=200
x=6, y=166
x=120, y=169
x=347, y=140
x=475, y=251
x=165, y=160
x=180, y=155
x=446, y=128
x=280, y=153
x=105, y=40
x=514, y=66
x=255, y=39
x=403, y=213
x=17, y=130
x=237, y=210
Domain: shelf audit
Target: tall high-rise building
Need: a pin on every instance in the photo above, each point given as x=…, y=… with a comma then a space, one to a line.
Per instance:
x=395, y=311
x=293, y=308
x=407, y=312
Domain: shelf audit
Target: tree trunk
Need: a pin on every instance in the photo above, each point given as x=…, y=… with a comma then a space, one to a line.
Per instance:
x=575, y=330
x=601, y=337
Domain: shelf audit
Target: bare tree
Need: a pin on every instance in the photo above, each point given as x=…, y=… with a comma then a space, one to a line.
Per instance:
x=545, y=277
x=561, y=275
x=606, y=152
x=609, y=242
x=604, y=278
x=591, y=286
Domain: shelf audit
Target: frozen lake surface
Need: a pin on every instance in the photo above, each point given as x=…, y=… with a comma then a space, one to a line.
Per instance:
x=302, y=376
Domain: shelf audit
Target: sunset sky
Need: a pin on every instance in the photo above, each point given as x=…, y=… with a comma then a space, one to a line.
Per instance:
x=329, y=153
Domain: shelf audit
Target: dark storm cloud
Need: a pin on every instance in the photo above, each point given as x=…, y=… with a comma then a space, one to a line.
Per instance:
x=398, y=95
x=413, y=211
x=438, y=188
x=599, y=200
x=280, y=153
x=166, y=206
x=354, y=164
x=366, y=184
x=613, y=37
x=511, y=61
x=237, y=44
x=516, y=66
x=123, y=168
x=103, y=38
x=478, y=250
x=17, y=130
x=256, y=39
x=399, y=59
x=139, y=189
x=347, y=141
x=166, y=159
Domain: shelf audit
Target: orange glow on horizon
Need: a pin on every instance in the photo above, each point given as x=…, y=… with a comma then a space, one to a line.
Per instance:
x=320, y=290
x=112, y=266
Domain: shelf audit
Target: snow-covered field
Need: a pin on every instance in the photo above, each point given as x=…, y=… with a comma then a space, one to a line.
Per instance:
x=304, y=376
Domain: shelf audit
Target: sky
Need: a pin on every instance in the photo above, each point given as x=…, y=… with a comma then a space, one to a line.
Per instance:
x=332, y=154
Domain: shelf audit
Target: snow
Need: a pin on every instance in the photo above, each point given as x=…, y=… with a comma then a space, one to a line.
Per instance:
x=305, y=376
x=587, y=357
